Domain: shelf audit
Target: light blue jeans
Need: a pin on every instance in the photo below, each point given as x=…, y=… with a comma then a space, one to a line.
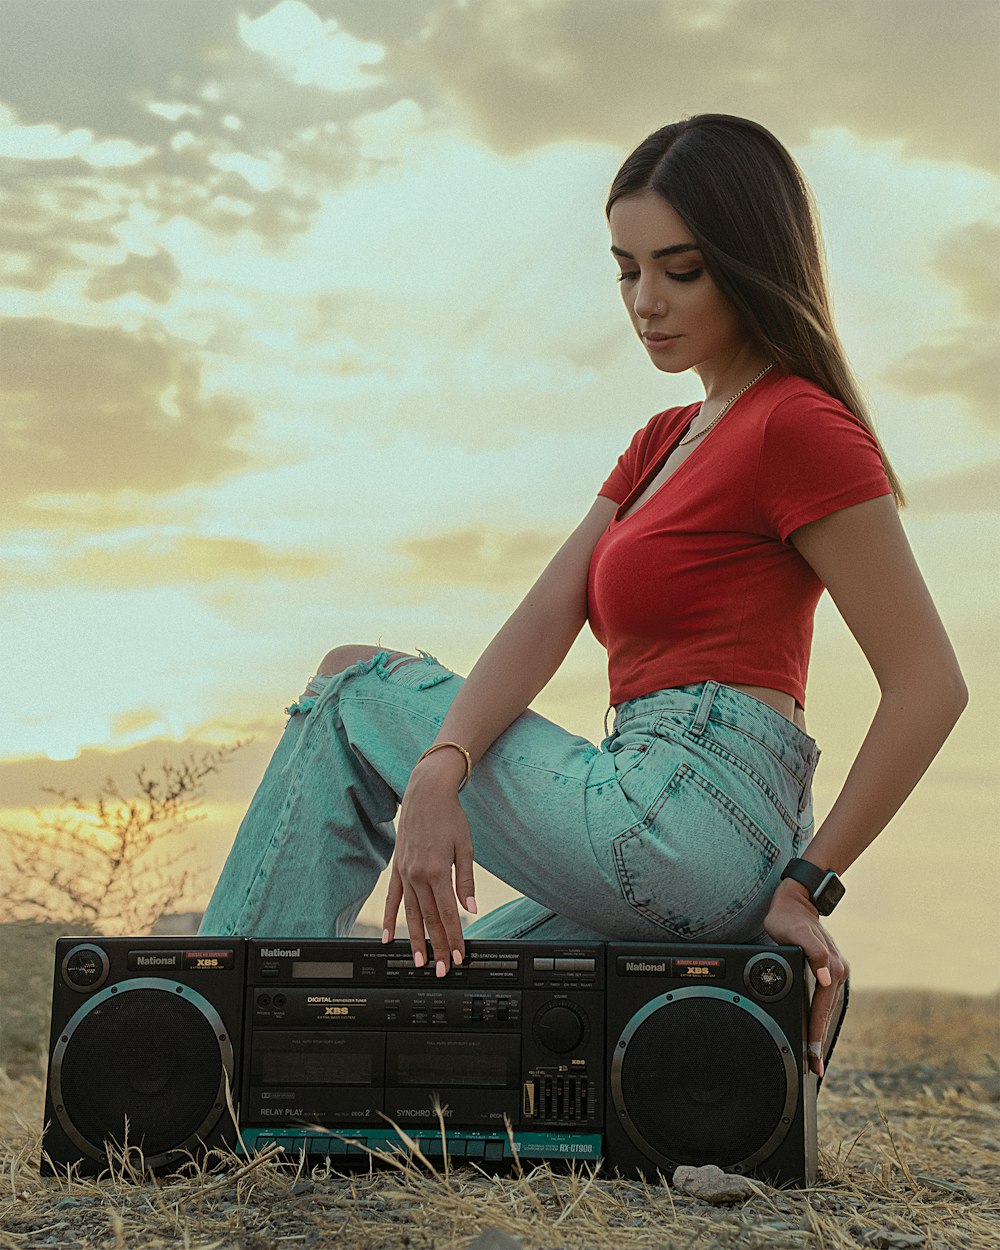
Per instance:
x=676, y=828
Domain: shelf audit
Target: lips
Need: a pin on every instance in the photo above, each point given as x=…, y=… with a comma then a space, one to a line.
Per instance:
x=659, y=340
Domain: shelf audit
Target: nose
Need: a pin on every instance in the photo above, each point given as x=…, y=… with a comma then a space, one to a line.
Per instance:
x=649, y=301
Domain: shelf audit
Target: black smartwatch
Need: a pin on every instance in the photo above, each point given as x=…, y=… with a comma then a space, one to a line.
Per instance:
x=825, y=888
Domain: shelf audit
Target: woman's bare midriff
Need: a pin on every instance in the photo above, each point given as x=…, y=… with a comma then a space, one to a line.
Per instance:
x=781, y=702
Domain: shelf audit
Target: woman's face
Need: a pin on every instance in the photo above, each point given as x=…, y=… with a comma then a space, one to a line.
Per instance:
x=678, y=311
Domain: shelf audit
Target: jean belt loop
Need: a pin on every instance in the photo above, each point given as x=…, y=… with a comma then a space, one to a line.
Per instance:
x=810, y=772
x=710, y=690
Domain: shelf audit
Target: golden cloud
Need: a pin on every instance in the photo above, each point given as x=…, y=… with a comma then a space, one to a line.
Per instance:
x=964, y=361
x=974, y=489
x=102, y=410
x=524, y=74
x=155, y=277
x=23, y=782
x=227, y=140
x=969, y=261
x=479, y=557
x=159, y=561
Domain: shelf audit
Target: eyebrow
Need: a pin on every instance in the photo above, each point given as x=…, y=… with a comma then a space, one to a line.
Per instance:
x=662, y=251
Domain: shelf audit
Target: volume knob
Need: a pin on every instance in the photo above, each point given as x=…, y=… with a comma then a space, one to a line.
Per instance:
x=558, y=1029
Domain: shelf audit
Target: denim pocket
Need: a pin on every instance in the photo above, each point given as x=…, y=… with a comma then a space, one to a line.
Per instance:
x=695, y=861
x=740, y=752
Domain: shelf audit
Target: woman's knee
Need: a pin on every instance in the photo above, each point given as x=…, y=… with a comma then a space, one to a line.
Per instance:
x=339, y=658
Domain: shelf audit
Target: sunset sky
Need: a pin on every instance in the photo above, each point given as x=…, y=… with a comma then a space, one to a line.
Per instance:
x=311, y=336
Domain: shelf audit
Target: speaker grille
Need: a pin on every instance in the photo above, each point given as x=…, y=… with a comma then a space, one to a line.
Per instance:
x=685, y=1087
x=148, y=1056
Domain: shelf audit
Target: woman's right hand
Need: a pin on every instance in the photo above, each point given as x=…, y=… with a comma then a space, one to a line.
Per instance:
x=433, y=840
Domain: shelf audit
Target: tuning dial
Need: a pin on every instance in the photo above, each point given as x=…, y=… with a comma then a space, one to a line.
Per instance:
x=558, y=1028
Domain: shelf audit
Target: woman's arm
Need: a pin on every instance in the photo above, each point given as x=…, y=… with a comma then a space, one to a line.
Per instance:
x=433, y=834
x=863, y=558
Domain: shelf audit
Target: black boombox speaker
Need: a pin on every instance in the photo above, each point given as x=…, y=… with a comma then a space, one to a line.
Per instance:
x=645, y=1055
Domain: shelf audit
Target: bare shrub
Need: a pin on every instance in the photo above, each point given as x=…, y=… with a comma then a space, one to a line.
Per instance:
x=110, y=865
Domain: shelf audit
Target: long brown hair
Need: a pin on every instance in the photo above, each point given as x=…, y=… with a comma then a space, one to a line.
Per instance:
x=750, y=210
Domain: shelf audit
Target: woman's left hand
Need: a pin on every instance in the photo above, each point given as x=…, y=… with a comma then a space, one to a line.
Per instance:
x=794, y=921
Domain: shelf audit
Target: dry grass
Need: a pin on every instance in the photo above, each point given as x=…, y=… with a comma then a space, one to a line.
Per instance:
x=909, y=1155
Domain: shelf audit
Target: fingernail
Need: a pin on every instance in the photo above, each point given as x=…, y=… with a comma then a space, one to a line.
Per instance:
x=457, y=956
x=441, y=969
x=385, y=936
x=470, y=905
x=419, y=959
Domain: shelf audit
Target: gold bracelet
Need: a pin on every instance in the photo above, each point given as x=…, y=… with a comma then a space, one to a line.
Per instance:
x=468, y=759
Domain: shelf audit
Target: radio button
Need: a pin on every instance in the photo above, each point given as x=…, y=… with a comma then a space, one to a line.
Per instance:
x=542, y=965
x=494, y=1149
x=575, y=965
x=475, y=1149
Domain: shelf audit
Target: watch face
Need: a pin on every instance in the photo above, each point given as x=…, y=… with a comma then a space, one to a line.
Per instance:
x=830, y=895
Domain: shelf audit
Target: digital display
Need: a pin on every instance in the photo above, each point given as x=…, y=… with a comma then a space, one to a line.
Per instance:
x=308, y=970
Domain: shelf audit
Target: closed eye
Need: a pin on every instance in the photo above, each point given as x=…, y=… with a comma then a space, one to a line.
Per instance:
x=688, y=276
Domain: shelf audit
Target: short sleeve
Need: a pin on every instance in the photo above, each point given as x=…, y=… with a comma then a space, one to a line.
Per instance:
x=637, y=456
x=620, y=479
x=816, y=458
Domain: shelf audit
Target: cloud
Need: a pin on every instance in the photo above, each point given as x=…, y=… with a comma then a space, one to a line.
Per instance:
x=119, y=105
x=102, y=410
x=153, y=277
x=23, y=781
x=310, y=51
x=161, y=560
x=479, y=557
x=526, y=74
x=968, y=490
x=969, y=261
x=50, y=143
x=963, y=360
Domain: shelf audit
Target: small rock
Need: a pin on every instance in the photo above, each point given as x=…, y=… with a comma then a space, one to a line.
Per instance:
x=496, y=1239
x=302, y=1187
x=67, y=1202
x=713, y=1185
x=891, y=1239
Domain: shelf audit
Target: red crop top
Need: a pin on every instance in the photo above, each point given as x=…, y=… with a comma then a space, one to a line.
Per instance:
x=700, y=582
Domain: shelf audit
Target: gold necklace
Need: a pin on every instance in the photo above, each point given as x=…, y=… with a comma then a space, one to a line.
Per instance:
x=689, y=438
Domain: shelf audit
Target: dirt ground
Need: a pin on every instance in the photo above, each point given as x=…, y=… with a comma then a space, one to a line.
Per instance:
x=909, y=1131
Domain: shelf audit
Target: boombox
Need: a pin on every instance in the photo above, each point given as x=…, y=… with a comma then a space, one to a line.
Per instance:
x=645, y=1055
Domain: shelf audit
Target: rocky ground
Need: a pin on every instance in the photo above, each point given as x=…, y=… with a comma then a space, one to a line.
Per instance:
x=910, y=1156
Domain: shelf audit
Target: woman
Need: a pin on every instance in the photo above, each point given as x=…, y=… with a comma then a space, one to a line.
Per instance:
x=699, y=567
